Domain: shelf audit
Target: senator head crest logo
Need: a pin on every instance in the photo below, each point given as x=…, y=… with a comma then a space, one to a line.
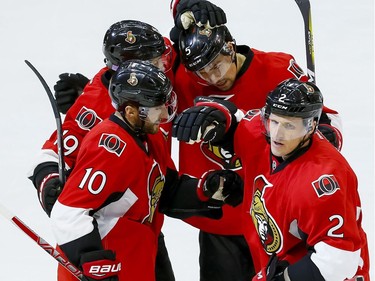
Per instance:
x=133, y=80
x=130, y=38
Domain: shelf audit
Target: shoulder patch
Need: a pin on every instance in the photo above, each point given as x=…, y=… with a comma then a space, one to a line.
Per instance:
x=112, y=143
x=251, y=114
x=325, y=185
x=87, y=118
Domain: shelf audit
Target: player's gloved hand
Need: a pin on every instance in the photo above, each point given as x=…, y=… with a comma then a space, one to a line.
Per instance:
x=332, y=134
x=274, y=271
x=100, y=265
x=48, y=191
x=223, y=186
x=208, y=120
x=199, y=12
x=68, y=88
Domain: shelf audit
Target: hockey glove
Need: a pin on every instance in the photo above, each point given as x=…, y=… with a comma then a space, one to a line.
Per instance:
x=100, y=265
x=274, y=271
x=332, y=134
x=208, y=120
x=68, y=88
x=48, y=191
x=199, y=12
x=223, y=186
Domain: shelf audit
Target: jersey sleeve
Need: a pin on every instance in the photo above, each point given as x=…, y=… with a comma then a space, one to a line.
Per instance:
x=332, y=228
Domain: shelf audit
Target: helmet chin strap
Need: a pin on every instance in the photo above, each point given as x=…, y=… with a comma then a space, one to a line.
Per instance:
x=138, y=130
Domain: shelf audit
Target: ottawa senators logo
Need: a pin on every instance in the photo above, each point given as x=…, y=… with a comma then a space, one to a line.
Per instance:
x=295, y=69
x=251, y=114
x=112, y=143
x=132, y=81
x=268, y=231
x=325, y=185
x=205, y=32
x=87, y=118
x=220, y=156
x=130, y=38
x=156, y=181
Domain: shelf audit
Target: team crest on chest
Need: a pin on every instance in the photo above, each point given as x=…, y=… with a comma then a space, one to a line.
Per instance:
x=268, y=231
x=87, y=118
x=156, y=181
x=220, y=156
x=112, y=143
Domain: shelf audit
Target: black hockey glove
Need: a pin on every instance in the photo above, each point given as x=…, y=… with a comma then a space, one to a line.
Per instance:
x=48, y=192
x=208, y=120
x=68, y=88
x=274, y=271
x=200, y=12
x=47, y=183
x=224, y=186
x=100, y=265
x=332, y=134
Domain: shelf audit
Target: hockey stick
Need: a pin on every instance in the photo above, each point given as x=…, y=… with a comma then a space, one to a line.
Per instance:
x=41, y=242
x=304, y=6
x=60, y=149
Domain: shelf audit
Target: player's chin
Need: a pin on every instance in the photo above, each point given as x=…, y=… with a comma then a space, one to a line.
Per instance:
x=277, y=149
x=155, y=128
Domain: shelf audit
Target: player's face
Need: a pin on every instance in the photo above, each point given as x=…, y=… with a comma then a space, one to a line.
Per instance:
x=156, y=115
x=286, y=133
x=220, y=73
x=163, y=62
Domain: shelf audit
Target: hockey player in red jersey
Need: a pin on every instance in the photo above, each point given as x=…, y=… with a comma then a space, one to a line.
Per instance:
x=301, y=195
x=246, y=75
x=124, y=40
x=214, y=66
x=107, y=219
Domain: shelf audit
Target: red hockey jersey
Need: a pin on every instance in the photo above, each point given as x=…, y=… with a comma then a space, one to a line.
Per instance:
x=308, y=201
x=92, y=106
x=116, y=183
x=261, y=72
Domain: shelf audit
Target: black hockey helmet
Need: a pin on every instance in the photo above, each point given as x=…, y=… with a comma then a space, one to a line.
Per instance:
x=296, y=99
x=199, y=45
x=140, y=83
x=131, y=39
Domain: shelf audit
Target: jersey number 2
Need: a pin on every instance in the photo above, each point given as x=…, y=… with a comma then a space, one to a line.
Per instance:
x=340, y=222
